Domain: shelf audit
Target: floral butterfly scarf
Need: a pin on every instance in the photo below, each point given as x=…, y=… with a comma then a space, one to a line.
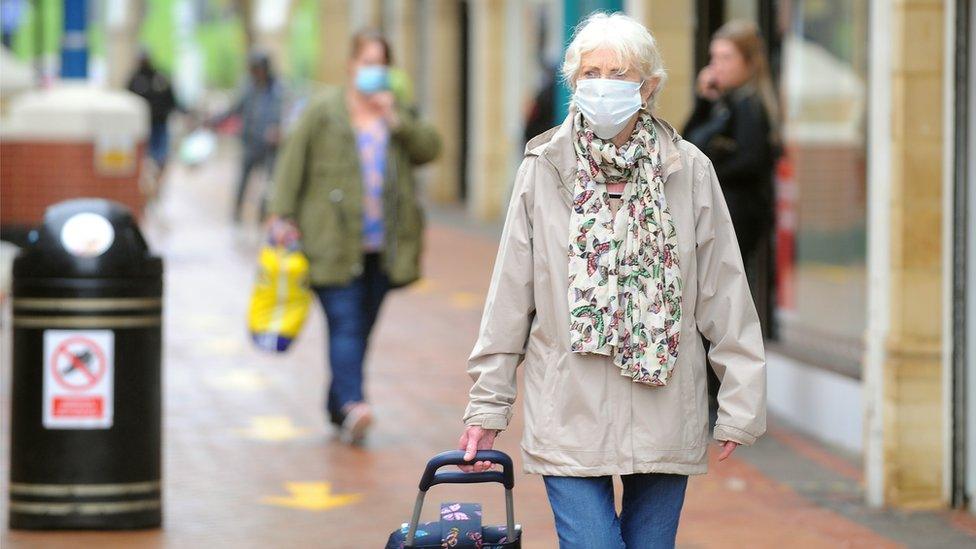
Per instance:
x=624, y=278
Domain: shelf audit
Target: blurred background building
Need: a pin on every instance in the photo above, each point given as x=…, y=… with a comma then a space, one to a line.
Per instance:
x=872, y=316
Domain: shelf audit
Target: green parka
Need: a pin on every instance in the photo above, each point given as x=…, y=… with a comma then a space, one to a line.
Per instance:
x=318, y=185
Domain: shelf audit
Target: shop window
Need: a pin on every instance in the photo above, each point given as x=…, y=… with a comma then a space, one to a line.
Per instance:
x=821, y=183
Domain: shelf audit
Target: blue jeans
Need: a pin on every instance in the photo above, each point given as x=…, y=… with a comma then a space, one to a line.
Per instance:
x=351, y=311
x=586, y=517
x=159, y=143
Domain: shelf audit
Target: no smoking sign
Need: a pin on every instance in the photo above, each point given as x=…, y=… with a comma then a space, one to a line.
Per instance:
x=78, y=375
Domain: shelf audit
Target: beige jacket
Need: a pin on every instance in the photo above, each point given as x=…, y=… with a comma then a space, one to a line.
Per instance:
x=582, y=418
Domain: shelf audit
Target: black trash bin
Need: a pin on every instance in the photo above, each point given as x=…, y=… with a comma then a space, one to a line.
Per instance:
x=86, y=406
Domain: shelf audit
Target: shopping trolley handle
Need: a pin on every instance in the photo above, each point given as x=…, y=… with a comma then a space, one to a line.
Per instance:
x=431, y=477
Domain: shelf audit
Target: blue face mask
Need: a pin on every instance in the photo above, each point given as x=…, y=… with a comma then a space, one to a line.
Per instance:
x=372, y=79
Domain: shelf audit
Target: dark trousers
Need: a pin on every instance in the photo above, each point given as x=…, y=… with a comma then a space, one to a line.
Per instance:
x=159, y=143
x=351, y=311
x=264, y=159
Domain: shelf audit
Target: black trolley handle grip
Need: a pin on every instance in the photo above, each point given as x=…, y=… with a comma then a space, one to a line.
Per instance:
x=431, y=477
x=456, y=457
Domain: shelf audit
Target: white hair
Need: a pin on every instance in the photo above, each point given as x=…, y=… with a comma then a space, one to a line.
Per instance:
x=629, y=41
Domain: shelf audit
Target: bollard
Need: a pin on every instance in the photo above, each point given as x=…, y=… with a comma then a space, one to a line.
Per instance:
x=86, y=394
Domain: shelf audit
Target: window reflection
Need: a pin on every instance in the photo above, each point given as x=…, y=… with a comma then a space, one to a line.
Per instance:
x=821, y=183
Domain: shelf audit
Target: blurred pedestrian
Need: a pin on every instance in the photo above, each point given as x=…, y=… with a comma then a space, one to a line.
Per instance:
x=617, y=251
x=734, y=124
x=260, y=109
x=542, y=111
x=153, y=86
x=345, y=185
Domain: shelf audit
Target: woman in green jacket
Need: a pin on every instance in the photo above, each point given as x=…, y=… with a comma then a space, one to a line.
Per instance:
x=345, y=186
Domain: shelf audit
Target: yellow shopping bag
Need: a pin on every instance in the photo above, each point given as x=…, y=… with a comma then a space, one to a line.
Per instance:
x=281, y=298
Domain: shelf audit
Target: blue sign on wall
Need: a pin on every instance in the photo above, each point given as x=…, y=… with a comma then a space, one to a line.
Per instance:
x=74, y=42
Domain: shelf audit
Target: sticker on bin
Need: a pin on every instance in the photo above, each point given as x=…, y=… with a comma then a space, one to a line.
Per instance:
x=87, y=235
x=78, y=379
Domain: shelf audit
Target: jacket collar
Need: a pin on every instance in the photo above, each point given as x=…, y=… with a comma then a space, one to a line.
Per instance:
x=556, y=146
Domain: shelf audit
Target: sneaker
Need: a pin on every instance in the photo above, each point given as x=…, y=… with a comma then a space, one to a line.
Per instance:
x=357, y=420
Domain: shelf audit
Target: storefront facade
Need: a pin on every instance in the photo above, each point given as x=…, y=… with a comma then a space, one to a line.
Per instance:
x=873, y=247
x=868, y=308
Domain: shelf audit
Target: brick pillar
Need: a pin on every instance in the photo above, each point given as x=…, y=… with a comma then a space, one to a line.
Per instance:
x=123, y=43
x=400, y=26
x=489, y=150
x=439, y=87
x=334, y=41
x=907, y=449
x=673, y=26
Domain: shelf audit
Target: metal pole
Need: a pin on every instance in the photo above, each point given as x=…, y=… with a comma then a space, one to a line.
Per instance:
x=415, y=518
x=74, y=43
x=509, y=515
x=969, y=336
x=960, y=261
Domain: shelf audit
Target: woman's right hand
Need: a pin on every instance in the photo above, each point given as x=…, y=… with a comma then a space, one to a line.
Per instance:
x=473, y=439
x=706, y=86
x=283, y=232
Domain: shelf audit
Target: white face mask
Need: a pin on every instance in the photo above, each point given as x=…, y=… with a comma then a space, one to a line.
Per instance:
x=608, y=104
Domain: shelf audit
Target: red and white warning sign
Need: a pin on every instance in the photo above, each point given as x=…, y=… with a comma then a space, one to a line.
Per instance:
x=78, y=375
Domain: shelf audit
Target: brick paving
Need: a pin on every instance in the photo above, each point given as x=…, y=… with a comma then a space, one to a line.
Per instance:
x=250, y=462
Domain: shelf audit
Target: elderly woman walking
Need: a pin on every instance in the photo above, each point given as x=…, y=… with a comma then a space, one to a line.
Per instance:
x=618, y=250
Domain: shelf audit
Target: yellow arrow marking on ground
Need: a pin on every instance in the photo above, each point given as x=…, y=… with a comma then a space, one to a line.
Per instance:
x=312, y=496
x=466, y=300
x=423, y=286
x=240, y=380
x=272, y=429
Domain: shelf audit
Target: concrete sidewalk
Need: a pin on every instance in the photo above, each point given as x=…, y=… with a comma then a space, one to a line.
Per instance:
x=250, y=461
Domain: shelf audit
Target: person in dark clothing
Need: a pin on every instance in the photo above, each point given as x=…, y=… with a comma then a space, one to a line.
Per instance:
x=260, y=108
x=153, y=86
x=542, y=111
x=734, y=124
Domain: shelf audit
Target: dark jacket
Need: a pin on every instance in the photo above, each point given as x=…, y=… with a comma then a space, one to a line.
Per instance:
x=156, y=89
x=734, y=132
x=260, y=109
x=318, y=184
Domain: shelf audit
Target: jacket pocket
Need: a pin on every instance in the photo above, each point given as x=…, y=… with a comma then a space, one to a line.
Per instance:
x=319, y=224
x=322, y=215
x=579, y=416
x=536, y=367
x=695, y=411
x=666, y=419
